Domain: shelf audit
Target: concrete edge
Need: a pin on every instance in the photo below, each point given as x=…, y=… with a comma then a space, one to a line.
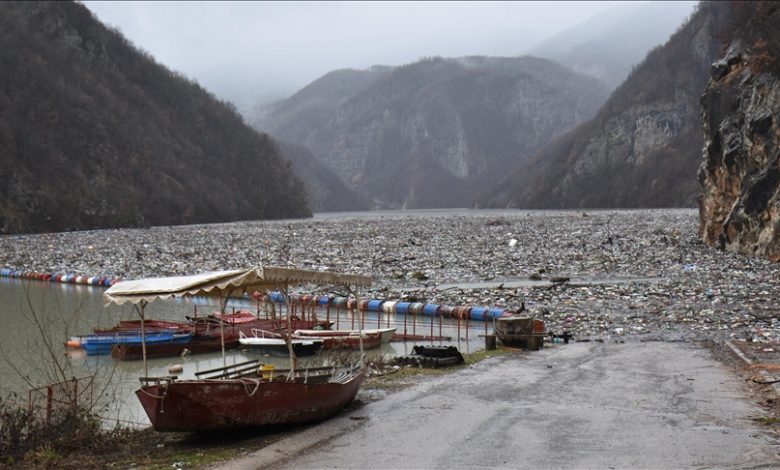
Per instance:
x=295, y=444
x=763, y=374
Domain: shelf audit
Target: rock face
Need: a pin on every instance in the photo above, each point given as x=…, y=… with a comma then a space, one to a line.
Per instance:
x=437, y=132
x=740, y=174
x=95, y=134
x=642, y=148
x=324, y=190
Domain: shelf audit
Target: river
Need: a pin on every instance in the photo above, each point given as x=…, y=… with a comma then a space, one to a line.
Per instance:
x=41, y=316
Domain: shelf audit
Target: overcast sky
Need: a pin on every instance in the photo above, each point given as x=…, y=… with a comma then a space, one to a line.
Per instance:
x=255, y=51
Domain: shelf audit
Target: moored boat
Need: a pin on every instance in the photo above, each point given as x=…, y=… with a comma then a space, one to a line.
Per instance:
x=102, y=344
x=386, y=333
x=259, y=398
x=249, y=395
x=273, y=343
x=200, y=343
x=343, y=339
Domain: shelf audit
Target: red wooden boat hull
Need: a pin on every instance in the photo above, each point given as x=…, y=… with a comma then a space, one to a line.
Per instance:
x=209, y=405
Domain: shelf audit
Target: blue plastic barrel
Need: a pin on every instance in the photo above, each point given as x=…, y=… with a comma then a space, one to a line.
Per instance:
x=431, y=309
x=277, y=297
x=496, y=312
x=478, y=313
x=324, y=300
x=340, y=301
x=374, y=305
x=402, y=307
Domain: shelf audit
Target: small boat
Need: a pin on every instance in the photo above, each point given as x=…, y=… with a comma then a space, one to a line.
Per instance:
x=200, y=343
x=149, y=325
x=257, y=398
x=386, y=333
x=342, y=339
x=273, y=343
x=95, y=345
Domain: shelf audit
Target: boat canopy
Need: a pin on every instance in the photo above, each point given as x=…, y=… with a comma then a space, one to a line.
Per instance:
x=222, y=283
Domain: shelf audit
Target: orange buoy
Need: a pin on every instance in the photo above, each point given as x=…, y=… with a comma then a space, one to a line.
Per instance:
x=73, y=343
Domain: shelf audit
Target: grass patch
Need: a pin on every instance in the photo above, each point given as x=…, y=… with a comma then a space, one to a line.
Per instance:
x=767, y=420
x=393, y=378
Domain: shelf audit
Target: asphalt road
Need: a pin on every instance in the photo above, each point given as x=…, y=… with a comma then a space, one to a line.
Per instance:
x=582, y=405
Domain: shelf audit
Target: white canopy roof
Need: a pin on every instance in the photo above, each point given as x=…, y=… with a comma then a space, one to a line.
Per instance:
x=221, y=283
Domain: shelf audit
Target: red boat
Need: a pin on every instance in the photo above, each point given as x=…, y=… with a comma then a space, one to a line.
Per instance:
x=257, y=398
x=149, y=325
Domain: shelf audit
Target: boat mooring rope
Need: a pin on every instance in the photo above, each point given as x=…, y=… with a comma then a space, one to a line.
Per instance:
x=246, y=386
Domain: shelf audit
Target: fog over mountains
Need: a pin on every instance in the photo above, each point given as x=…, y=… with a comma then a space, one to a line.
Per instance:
x=643, y=147
x=609, y=44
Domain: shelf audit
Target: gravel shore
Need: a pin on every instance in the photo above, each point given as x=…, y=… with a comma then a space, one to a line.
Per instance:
x=640, y=274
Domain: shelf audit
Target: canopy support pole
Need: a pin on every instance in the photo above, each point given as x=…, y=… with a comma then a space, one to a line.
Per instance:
x=223, y=300
x=140, y=309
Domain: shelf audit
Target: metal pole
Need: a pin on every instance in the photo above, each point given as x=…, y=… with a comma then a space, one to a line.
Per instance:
x=143, y=335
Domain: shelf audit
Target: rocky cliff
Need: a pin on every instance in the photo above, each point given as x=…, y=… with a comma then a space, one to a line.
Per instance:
x=324, y=190
x=437, y=132
x=643, y=147
x=94, y=133
x=740, y=173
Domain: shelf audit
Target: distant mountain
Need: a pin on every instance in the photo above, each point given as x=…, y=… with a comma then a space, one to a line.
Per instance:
x=94, y=133
x=609, y=44
x=437, y=132
x=643, y=147
x=324, y=190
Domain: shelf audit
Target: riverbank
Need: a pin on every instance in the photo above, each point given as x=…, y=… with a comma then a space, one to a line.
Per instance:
x=640, y=274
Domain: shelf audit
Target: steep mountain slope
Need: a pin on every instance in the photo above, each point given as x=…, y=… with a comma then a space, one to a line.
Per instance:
x=609, y=44
x=437, y=132
x=94, y=133
x=740, y=174
x=643, y=147
x=324, y=190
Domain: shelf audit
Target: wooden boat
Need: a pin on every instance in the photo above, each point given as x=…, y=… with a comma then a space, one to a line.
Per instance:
x=150, y=326
x=257, y=398
x=102, y=344
x=387, y=333
x=200, y=343
x=342, y=339
x=235, y=396
x=522, y=332
x=274, y=343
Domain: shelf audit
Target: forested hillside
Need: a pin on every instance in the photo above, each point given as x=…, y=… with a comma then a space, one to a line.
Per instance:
x=94, y=133
x=643, y=147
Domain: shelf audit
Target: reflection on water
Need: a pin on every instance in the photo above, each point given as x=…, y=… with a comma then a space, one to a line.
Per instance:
x=38, y=317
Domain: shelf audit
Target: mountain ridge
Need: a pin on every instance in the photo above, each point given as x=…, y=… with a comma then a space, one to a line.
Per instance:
x=95, y=133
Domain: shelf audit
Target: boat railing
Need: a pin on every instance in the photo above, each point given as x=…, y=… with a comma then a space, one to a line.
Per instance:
x=158, y=380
